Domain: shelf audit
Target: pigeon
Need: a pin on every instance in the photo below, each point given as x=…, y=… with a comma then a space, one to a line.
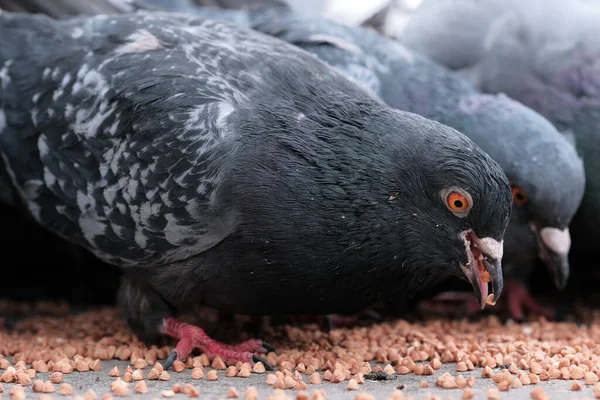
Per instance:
x=544, y=54
x=220, y=167
x=544, y=169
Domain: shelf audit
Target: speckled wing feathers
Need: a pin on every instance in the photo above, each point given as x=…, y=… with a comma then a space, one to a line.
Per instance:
x=115, y=129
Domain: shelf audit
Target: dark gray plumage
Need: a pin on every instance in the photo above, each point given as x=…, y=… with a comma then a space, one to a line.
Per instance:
x=222, y=167
x=534, y=155
x=545, y=54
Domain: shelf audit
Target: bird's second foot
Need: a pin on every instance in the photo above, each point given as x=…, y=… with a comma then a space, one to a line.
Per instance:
x=191, y=337
x=519, y=298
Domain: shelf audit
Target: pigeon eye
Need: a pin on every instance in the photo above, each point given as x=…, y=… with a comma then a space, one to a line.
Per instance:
x=458, y=201
x=519, y=196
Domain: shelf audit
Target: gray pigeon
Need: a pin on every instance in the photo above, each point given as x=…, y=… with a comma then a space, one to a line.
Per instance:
x=544, y=53
x=221, y=167
x=544, y=169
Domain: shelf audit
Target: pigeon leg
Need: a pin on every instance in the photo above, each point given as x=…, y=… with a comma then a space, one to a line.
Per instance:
x=519, y=298
x=191, y=337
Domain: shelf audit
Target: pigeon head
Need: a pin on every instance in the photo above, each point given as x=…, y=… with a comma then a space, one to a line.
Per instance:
x=545, y=172
x=465, y=221
x=408, y=199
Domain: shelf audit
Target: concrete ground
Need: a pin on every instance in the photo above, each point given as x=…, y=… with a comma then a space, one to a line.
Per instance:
x=100, y=382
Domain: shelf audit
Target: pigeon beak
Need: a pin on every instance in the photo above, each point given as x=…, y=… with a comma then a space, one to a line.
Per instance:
x=484, y=266
x=554, y=245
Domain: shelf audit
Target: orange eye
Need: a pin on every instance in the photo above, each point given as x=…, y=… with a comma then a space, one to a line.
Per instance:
x=519, y=196
x=457, y=202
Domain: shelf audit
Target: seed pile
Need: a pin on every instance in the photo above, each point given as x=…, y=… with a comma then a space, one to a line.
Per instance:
x=511, y=355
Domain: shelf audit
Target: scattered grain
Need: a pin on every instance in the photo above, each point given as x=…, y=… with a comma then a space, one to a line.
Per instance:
x=141, y=387
x=493, y=394
x=212, y=375
x=197, y=373
x=538, y=394
x=259, y=368
x=467, y=394
x=232, y=393
x=315, y=378
x=164, y=376
x=251, y=393
x=65, y=389
x=352, y=384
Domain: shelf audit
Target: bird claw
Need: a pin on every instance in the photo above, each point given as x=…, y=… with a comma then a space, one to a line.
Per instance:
x=170, y=360
x=256, y=359
x=268, y=348
x=519, y=298
x=191, y=337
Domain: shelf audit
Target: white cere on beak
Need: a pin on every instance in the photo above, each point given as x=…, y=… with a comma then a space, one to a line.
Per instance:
x=556, y=240
x=491, y=248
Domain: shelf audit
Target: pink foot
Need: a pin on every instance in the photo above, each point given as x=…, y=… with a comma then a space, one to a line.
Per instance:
x=519, y=298
x=191, y=337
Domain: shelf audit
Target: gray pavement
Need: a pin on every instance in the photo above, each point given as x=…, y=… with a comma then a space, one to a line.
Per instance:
x=100, y=382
